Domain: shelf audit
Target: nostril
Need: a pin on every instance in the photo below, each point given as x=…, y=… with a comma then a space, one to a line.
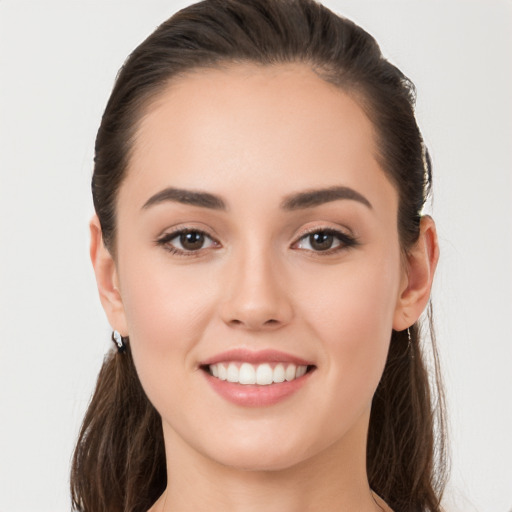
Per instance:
x=272, y=322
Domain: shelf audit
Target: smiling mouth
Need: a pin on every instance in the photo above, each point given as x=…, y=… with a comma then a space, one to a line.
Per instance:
x=260, y=374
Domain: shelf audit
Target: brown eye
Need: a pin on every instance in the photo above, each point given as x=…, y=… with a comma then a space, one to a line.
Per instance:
x=187, y=242
x=192, y=240
x=326, y=240
x=321, y=241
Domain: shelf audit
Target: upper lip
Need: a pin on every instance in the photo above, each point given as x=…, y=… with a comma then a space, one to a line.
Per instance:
x=255, y=357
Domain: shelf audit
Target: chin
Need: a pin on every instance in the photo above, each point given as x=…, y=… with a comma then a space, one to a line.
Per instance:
x=260, y=451
x=260, y=461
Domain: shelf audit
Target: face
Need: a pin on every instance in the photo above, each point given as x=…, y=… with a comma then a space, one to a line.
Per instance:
x=259, y=265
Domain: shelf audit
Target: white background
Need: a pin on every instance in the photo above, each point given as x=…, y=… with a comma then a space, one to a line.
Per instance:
x=58, y=60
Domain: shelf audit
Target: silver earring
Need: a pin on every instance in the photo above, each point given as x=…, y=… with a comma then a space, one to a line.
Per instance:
x=409, y=344
x=119, y=341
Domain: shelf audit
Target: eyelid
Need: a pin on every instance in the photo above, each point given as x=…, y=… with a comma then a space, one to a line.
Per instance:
x=347, y=239
x=174, y=232
x=344, y=231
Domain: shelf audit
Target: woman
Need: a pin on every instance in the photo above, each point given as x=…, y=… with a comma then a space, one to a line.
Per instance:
x=260, y=253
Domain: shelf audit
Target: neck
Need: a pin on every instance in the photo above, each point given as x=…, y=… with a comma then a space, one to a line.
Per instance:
x=334, y=480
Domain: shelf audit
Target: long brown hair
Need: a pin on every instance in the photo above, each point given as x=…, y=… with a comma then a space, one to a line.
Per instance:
x=119, y=461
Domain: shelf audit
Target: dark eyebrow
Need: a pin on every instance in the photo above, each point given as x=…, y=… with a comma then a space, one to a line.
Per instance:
x=311, y=198
x=195, y=198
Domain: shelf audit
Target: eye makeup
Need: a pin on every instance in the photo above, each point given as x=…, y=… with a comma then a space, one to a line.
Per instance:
x=191, y=242
x=325, y=241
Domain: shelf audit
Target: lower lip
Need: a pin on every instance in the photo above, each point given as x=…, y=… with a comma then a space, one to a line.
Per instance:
x=251, y=395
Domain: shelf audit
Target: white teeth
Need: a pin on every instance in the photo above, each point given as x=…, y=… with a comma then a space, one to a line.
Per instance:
x=261, y=374
x=233, y=373
x=301, y=370
x=264, y=375
x=279, y=374
x=223, y=373
x=290, y=372
x=247, y=374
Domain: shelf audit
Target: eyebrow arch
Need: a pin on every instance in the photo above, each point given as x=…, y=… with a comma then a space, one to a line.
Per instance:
x=178, y=195
x=311, y=198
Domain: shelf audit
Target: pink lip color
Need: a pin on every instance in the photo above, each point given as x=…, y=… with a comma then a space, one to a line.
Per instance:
x=251, y=395
x=255, y=357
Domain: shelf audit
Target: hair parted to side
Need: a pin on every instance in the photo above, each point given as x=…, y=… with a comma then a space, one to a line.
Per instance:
x=119, y=461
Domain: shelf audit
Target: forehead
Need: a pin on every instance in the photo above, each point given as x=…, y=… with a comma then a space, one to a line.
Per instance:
x=279, y=124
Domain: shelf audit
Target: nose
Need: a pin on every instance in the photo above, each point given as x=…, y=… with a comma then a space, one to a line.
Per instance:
x=257, y=294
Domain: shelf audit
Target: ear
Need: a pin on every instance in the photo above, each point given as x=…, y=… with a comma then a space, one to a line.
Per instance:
x=418, y=276
x=107, y=279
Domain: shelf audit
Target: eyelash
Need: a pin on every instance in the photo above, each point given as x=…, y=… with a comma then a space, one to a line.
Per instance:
x=345, y=241
x=165, y=240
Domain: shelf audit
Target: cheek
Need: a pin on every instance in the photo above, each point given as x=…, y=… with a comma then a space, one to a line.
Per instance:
x=352, y=316
x=167, y=311
x=162, y=300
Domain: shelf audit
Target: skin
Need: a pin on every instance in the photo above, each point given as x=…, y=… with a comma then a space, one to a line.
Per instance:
x=252, y=136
